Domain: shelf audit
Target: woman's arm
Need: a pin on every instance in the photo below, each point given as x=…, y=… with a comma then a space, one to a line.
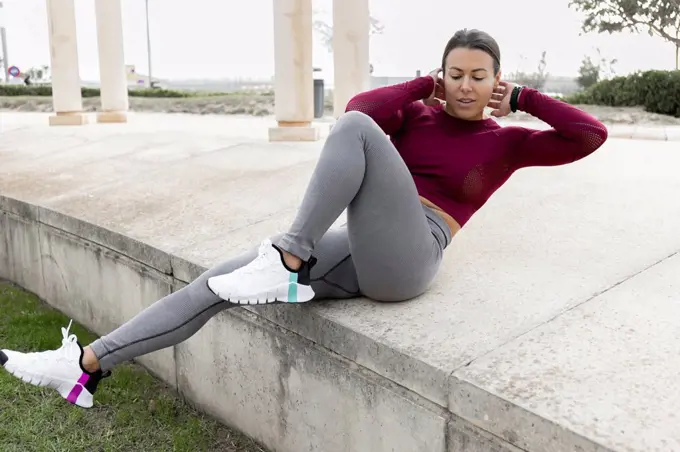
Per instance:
x=386, y=105
x=575, y=134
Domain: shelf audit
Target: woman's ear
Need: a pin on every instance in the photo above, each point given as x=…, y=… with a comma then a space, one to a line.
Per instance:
x=498, y=78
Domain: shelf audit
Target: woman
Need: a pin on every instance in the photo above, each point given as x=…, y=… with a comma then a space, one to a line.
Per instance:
x=406, y=196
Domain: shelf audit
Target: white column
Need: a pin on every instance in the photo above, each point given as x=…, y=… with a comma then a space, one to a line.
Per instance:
x=293, y=78
x=350, y=51
x=114, y=90
x=66, y=88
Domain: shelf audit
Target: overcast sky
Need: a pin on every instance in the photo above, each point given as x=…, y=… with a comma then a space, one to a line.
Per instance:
x=229, y=38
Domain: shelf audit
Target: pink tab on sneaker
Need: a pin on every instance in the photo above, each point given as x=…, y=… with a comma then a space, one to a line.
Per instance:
x=75, y=393
x=84, y=378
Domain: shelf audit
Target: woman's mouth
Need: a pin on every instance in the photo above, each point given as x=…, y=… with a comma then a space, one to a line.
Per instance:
x=466, y=101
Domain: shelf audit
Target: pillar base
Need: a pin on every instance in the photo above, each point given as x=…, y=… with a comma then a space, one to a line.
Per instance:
x=112, y=117
x=68, y=119
x=298, y=132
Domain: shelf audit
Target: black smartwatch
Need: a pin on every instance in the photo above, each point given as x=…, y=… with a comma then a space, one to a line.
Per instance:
x=514, y=97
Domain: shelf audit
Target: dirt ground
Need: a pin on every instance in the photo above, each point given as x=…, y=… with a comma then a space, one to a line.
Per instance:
x=250, y=104
x=263, y=105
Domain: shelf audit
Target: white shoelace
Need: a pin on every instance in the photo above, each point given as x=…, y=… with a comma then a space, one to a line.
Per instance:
x=261, y=261
x=66, y=339
x=66, y=344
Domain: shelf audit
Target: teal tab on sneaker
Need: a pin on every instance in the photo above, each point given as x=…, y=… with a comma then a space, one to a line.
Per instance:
x=292, y=288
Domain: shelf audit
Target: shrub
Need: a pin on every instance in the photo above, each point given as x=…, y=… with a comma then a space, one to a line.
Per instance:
x=46, y=90
x=159, y=92
x=87, y=92
x=656, y=91
x=23, y=90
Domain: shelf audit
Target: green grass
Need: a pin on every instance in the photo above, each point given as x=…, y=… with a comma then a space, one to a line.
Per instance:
x=133, y=411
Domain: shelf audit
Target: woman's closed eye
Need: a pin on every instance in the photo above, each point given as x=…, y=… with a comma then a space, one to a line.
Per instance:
x=458, y=77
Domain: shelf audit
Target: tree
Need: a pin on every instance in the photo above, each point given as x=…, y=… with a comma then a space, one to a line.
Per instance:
x=658, y=17
x=592, y=72
x=536, y=79
x=325, y=30
x=589, y=73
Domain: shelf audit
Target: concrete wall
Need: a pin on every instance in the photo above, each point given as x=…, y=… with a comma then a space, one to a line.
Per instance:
x=274, y=385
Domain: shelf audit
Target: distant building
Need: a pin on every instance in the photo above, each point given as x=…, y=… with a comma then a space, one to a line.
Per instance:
x=137, y=80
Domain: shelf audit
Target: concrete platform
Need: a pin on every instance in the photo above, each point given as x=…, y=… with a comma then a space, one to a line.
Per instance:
x=552, y=326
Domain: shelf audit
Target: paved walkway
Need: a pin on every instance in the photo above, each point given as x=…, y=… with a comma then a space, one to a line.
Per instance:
x=553, y=323
x=623, y=131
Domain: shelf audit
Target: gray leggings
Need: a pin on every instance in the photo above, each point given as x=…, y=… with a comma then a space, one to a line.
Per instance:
x=389, y=250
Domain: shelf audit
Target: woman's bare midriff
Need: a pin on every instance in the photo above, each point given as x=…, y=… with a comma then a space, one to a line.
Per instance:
x=453, y=224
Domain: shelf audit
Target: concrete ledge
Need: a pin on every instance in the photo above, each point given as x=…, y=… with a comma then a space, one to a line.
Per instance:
x=130, y=248
x=318, y=326
x=628, y=397
x=273, y=392
x=20, y=252
x=303, y=396
x=495, y=353
x=464, y=437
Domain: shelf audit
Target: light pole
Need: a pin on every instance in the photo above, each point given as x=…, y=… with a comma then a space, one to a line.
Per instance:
x=3, y=37
x=148, y=42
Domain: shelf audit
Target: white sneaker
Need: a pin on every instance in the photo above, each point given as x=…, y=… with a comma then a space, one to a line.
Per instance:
x=57, y=369
x=266, y=279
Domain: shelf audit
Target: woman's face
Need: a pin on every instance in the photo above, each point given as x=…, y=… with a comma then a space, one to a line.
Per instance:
x=469, y=81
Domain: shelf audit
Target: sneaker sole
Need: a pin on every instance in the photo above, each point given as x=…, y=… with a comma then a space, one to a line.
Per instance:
x=73, y=392
x=284, y=293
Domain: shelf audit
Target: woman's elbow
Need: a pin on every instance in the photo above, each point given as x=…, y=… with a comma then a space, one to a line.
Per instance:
x=593, y=137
